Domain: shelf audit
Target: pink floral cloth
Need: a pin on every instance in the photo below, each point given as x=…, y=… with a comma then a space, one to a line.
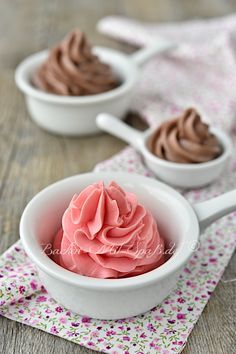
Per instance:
x=200, y=72
x=193, y=74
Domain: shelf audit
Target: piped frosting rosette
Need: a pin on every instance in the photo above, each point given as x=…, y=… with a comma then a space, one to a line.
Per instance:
x=106, y=233
x=185, y=139
x=72, y=69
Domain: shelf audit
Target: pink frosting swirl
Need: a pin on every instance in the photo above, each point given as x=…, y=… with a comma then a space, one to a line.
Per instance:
x=106, y=233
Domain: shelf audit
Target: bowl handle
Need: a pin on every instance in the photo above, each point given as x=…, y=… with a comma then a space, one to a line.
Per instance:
x=141, y=56
x=213, y=209
x=121, y=130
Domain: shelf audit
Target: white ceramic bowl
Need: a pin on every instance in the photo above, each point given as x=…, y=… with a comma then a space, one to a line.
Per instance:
x=75, y=115
x=176, y=174
x=177, y=220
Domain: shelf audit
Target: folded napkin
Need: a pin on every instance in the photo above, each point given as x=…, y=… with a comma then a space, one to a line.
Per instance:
x=193, y=74
x=200, y=72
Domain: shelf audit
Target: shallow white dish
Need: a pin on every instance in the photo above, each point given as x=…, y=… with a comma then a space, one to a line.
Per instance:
x=177, y=174
x=75, y=115
x=178, y=221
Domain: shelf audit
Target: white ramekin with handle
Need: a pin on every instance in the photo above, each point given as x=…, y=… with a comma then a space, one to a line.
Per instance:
x=178, y=221
x=75, y=115
x=177, y=174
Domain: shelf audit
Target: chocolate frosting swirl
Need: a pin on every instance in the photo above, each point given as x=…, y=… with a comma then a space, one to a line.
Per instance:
x=185, y=139
x=72, y=69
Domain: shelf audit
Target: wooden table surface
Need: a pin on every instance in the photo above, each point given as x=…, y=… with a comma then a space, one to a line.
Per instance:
x=30, y=158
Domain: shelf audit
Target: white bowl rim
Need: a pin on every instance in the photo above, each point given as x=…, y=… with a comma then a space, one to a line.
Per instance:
x=222, y=137
x=172, y=265
x=26, y=87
